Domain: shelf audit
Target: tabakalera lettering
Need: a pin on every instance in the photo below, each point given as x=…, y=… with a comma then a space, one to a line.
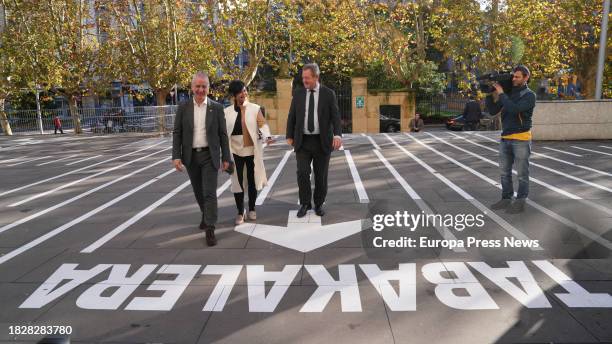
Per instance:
x=117, y=289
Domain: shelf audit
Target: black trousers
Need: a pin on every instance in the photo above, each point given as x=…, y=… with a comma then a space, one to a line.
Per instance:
x=311, y=152
x=249, y=162
x=58, y=128
x=203, y=177
x=471, y=125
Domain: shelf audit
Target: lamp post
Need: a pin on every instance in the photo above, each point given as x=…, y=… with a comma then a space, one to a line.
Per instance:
x=603, y=44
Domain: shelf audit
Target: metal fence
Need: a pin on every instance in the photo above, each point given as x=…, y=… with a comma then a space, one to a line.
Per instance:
x=109, y=120
x=436, y=108
x=344, y=96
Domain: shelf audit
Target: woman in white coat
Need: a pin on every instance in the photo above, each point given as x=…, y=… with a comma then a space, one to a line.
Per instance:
x=248, y=130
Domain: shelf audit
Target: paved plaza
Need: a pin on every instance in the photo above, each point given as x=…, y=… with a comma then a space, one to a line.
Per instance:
x=100, y=235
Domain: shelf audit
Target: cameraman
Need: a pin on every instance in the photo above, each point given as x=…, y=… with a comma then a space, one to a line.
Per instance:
x=515, y=146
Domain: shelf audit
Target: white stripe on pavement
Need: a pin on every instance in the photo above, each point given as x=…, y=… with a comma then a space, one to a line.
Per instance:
x=58, y=160
x=264, y=193
x=29, y=160
x=484, y=137
x=13, y=159
x=586, y=232
x=224, y=187
x=75, y=171
x=607, y=147
x=500, y=221
x=77, y=197
x=122, y=227
x=562, y=151
x=371, y=140
x=10, y=255
x=363, y=196
x=536, y=180
x=593, y=151
x=78, y=161
x=42, y=194
x=443, y=230
x=569, y=176
x=559, y=160
x=409, y=190
x=573, y=164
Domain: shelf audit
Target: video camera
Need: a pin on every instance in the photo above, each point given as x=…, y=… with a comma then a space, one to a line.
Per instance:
x=486, y=81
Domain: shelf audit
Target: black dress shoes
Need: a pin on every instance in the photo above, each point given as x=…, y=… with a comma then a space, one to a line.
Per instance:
x=210, y=236
x=319, y=210
x=303, y=210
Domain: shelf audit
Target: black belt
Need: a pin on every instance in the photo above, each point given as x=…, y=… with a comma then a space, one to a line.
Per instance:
x=200, y=149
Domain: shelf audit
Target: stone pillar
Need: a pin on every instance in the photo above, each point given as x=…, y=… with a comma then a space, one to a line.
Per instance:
x=284, y=92
x=359, y=119
x=408, y=110
x=373, y=112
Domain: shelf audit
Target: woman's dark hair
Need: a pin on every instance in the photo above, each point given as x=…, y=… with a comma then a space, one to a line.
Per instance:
x=235, y=87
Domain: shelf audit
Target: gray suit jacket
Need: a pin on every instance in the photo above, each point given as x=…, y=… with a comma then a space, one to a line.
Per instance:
x=216, y=133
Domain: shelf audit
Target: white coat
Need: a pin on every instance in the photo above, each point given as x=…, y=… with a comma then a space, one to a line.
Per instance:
x=251, y=111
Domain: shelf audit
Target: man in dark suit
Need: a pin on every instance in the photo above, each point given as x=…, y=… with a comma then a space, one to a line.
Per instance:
x=472, y=114
x=313, y=129
x=200, y=141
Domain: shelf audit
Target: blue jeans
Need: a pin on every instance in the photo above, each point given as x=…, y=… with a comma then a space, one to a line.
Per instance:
x=514, y=152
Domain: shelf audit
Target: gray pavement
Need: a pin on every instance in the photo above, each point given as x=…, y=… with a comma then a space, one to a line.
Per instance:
x=109, y=248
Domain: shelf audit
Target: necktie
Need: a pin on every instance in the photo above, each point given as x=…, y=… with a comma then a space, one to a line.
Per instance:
x=311, y=107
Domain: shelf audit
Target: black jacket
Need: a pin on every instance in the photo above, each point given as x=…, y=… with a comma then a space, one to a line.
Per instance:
x=516, y=107
x=327, y=113
x=216, y=133
x=472, y=111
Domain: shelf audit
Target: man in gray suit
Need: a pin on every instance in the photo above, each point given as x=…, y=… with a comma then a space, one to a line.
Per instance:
x=200, y=141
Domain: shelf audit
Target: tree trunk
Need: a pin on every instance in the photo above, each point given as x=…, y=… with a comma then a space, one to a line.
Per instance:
x=160, y=97
x=6, y=126
x=492, y=39
x=587, y=72
x=74, y=113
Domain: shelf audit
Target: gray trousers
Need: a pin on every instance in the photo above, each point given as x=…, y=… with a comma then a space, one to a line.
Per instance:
x=203, y=177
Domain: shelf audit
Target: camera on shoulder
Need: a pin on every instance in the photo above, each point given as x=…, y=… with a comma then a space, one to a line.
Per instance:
x=486, y=81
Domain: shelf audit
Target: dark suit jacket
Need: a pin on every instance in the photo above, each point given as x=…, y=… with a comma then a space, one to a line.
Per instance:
x=327, y=113
x=216, y=133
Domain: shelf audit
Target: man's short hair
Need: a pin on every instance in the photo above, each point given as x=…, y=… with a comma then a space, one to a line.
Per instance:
x=523, y=69
x=198, y=75
x=313, y=67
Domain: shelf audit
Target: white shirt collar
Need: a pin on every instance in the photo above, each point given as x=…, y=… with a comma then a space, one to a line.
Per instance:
x=316, y=89
x=204, y=103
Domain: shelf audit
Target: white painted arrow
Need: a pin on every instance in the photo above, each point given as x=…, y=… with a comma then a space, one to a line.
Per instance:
x=301, y=234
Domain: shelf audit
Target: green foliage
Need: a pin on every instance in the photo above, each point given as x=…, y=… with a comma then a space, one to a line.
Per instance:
x=379, y=80
x=78, y=47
